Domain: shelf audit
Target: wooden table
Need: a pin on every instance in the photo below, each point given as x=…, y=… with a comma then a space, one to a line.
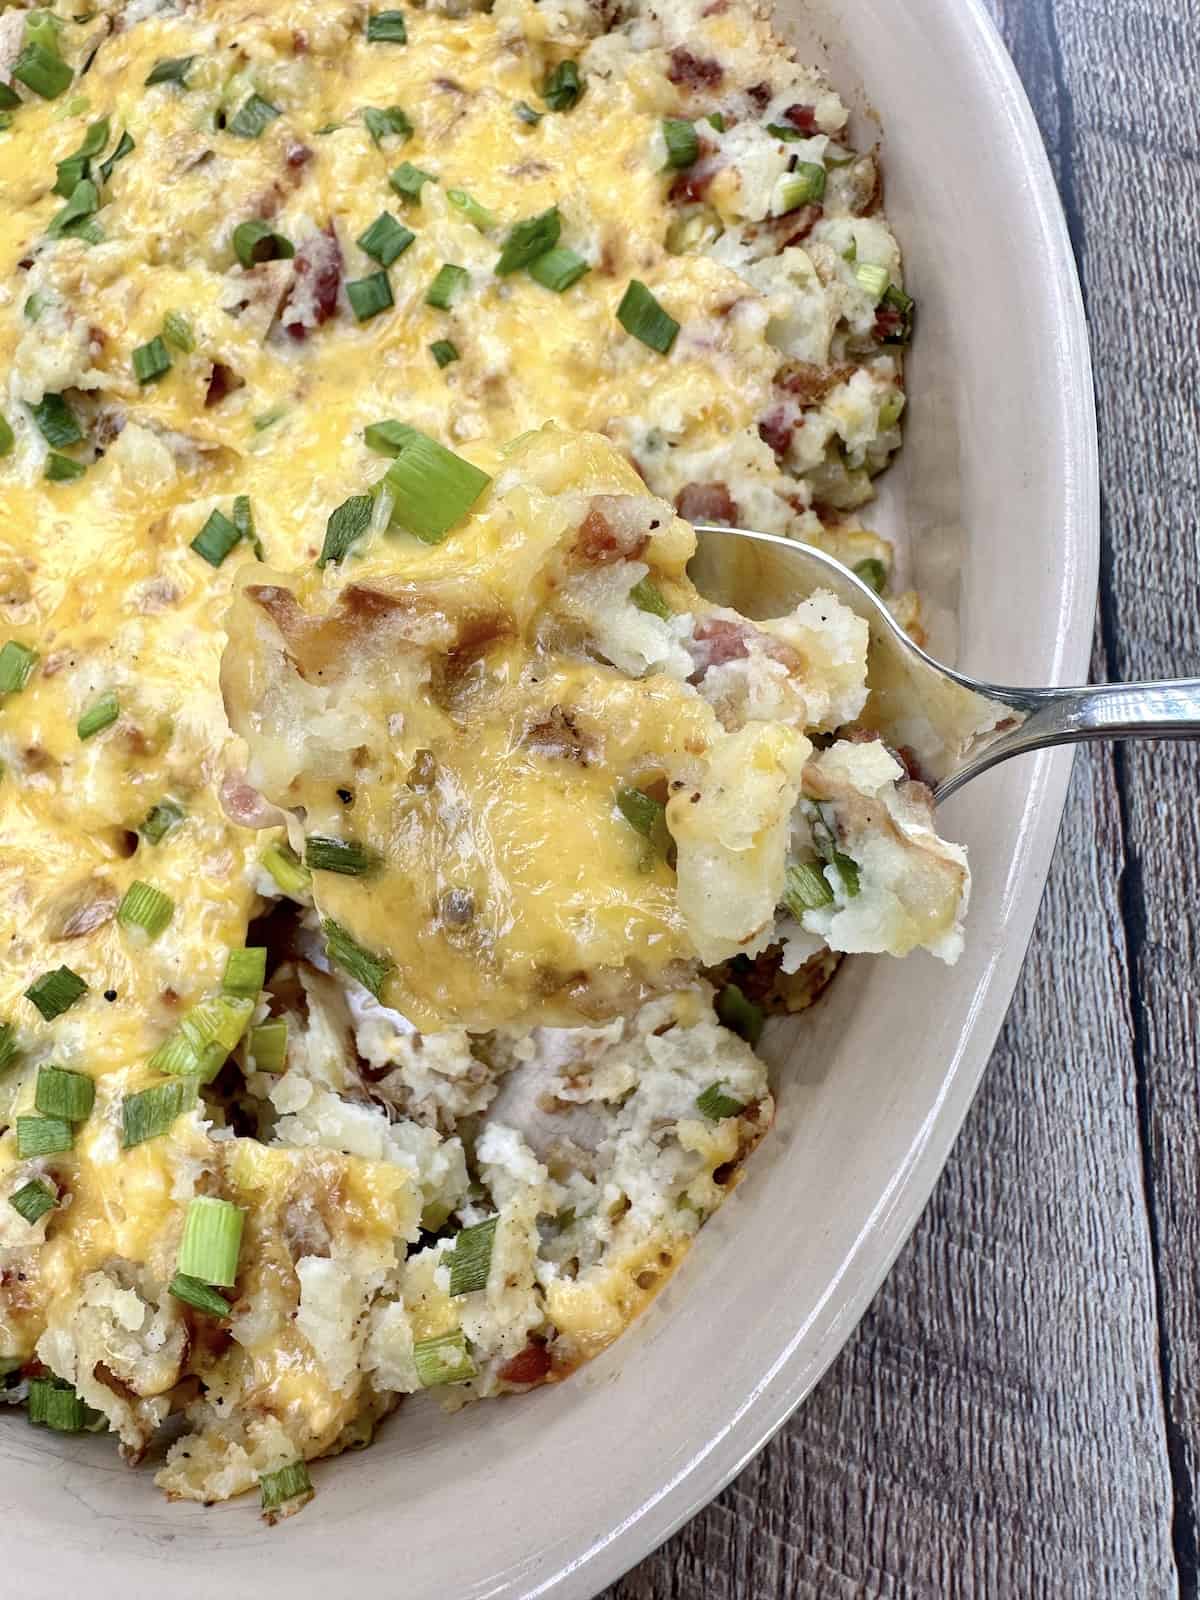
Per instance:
x=1019, y=1413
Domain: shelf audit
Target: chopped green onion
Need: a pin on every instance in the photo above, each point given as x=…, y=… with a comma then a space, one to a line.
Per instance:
x=682, y=141
x=643, y=812
x=470, y=208
x=150, y=1113
x=389, y=437
x=471, y=1257
x=145, y=907
x=324, y=854
x=17, y=662
x=370, y=970
x=257, y=241
x=245, y=971
x=716, y=120
x=9, y=99
x=268, y=1045
x=8, y=1045
x=195, y=1293
x=346, y=523
x=739, y=1015
x=42, y=70
x=450, y=279
x=253, y=118
x=287, y=1484
x=558, y=269
x=216, y=538
x=171, y=69
x=847, y=870
x=392, y=119
x=54, y=1404
x=34, y=306
x=443, y=352
x=68, y=1095
x=160, y=819
x=800, y=187
x=7, y=437
x=124, y=145
x=212, y=1241
x=715, y=1104
x=243, y=521
x=56, y=422
x=177, y=331
x=32, y=1200
x=905, y=308
x=387, y=27
x=641, y=315
x=284, y=865
x=85, y=199
x=526, y=114
x=433, y=489
x=408, y=180
x=647, y=596
x=872, y=572
x=385, y=239
x=43, y=27
x=562, y=88
x=151, y=361
x=891, y=411
x=268, y=419
x=56, y=992
x=444, y=1359
x=43, y=1136
x=199, y=1046
x=61, y=469
x=872, y=280
x=805, y=889
x=369, y=296
x=786, y=133
x=74, y=168
x=529, y=240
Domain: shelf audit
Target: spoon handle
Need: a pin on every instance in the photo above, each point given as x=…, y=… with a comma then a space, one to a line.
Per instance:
x=1096, y=711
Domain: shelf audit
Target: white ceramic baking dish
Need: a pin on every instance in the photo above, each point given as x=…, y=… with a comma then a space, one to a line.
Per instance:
x=557, y=1493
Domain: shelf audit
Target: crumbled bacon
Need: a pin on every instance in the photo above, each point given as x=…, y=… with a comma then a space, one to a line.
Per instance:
x=299, y=42
x=222, y=380
x=313, y=296
x=530, y=1365
x=759, y=95
x=706, y=502
x=808, y=384
x=795, y=226
x=776, y=429
x=557, y=737
x=890, y=323
x=242, y=803
x=297, y=155
x=716, y=641
x=691, y=185
x=617, y=528
x=804, y=118
x=694, y=72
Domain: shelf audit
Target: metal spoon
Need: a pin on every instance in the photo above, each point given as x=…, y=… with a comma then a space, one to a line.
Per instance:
x=955, y=726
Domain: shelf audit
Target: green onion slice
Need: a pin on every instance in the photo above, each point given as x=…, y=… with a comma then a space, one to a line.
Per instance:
x=287, y=1484
x=558, y=269
x=171, y=69
x=408, y=180
x=199, y=1046
x=85, y=199
x=347, y=523
x=647, y=815
x=470, y=208
x=56, y=992
x=528, y=240
x=257, y=241
x=159, y=821
x=8, y=1045
x=9, y=99
x=389, y=437
x=195, y=1293
x=787, y=134
x=682, y=141
x=124, y=145
x=847, y=870
x=526, y=114
x=145, y=908
x=449, y=280
x=252, y=118
x=341, y=947
x=432, y=488
x=245, y=971
x=151, y=361
x=285, y=866
x=471, y=1258
x=387, y=27
x=243, y=521
x=872, y=279
x=150, y=1113
x=42, y=70
x=268, y=1045
x=872, y=572
x=444, y=1359
x=562, y=88
x=56, y=422
x=216, y=538
x=62, y=469
x=641, y=315
x=647, y=596
x=800, y=187
x=43, y=1136
x=805, y=889
x=715, y=1104
x=7, y=437
x=101, y=714
x=389, y=120
x=32, y=1200
x=900, y=327
x=67, y=1095
x=212, y=1241
x=17, y=662
x=369, y=296
x=74, y=168
x=443, y=352
x=385, y=239
x=54, y=1404
x=345, y=856
x=740, y=1015
x=177, y=331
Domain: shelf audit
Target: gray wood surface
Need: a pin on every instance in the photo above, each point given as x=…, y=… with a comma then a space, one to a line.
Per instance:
x=1019, y=1413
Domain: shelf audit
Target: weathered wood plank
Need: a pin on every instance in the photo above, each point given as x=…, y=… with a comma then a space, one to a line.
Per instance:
x=998, y=1425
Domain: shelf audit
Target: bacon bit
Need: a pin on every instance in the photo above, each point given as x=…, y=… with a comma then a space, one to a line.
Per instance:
x=694, y=72
x=759, y=95
x=97, y=337
x=242, y=803
x=609, y=533
x=91, y=910
x=299, y=42
x=530, y=1365
x=448, y=86
x=725, y=641
x=222, y=380
x=691, y=185
x=706, y=502
x=611, y=256
x=297, y=155
x=808, y=384
x=776, y=429
x=715, y=8
x=107, y=426
x=318, y=277
x=557, y=737
x=889, y=323
x=795, y=225
x=804, y=118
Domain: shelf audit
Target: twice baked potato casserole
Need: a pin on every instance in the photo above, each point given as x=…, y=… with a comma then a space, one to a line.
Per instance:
x=398, y=855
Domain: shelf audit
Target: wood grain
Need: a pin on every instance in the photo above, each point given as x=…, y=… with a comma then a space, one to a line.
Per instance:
x=1019, y=1413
